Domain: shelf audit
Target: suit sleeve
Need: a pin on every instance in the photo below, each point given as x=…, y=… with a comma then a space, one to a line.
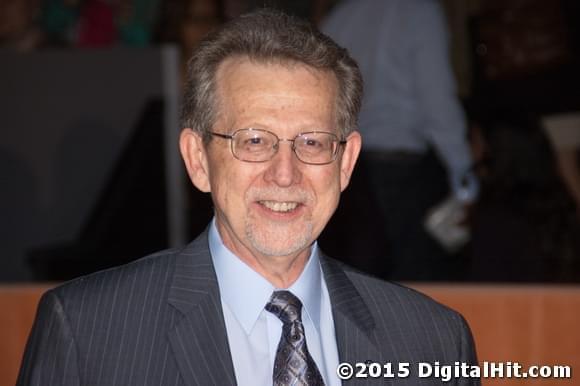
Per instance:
x=467, y=353
x=50, y=357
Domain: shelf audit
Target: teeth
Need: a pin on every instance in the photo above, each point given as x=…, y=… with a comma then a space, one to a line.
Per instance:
x=279, y=206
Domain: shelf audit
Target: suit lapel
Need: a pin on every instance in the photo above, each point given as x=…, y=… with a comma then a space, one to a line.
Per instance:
x=354, y=324
x=199, y=340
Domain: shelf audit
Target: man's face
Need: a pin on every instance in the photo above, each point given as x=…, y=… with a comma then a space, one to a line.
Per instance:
x=277, y=208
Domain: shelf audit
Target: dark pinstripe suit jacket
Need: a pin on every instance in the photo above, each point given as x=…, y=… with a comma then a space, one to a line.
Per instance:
x=159, y=321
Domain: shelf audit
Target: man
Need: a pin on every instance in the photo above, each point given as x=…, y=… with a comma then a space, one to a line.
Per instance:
x=270, y=112
x=411, y=119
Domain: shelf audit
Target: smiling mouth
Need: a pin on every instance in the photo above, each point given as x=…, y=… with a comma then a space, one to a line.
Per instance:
x=277, y=206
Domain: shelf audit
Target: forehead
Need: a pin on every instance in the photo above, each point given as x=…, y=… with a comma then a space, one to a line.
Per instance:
x=243, y=66
x=246, y=86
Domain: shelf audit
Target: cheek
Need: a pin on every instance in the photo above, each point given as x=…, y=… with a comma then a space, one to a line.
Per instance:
x=327, y=188
x=224, y=189
x=230, y=185
x=221, y=181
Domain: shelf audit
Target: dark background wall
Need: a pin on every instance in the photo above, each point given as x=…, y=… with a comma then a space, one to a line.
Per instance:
x=66, y=117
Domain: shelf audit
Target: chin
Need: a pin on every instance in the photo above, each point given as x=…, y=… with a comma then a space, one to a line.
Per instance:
x=278, y=239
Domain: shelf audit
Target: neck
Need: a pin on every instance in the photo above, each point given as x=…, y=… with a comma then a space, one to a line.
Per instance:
x=280, y=271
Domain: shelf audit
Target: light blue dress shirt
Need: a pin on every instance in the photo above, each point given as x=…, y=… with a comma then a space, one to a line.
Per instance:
x=254, y=333
x=410, y=100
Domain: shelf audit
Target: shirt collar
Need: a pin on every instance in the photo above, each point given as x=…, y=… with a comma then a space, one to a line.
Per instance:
x=246, y=292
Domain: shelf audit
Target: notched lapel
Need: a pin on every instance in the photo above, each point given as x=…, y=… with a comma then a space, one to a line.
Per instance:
x=201, y=348
x=199, y=340
x=356, y=346
x=353, y=322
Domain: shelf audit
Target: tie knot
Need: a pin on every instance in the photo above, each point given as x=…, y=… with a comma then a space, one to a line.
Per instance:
x=286, y=306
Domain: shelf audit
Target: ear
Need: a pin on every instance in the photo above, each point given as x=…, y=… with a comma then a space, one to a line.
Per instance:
x=194, y=156
x=349, y=158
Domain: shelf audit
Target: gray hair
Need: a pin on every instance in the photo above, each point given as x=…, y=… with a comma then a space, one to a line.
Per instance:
x=268, y=36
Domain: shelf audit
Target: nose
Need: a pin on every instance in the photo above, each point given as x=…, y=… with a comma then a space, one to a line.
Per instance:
x=284, y=168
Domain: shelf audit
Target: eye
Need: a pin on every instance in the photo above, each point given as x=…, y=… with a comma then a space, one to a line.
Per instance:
x=255, y=141
x=315, y=142
x=310, y=142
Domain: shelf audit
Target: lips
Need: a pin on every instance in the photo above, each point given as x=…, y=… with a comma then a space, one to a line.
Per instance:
x=280, y=206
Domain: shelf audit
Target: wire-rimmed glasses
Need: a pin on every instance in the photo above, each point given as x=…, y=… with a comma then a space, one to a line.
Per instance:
x=258, y=145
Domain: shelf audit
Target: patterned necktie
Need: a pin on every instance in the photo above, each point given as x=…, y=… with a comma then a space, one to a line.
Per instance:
x=293, y=364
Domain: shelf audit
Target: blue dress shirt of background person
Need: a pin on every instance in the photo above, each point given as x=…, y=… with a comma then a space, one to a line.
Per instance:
x=415, y=148
x=410, y=100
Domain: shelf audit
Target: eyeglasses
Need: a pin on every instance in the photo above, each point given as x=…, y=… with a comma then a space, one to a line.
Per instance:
x=257, y=145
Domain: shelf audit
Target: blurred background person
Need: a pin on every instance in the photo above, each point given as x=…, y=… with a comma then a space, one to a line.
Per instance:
x=186, y=22
x=525, y=220
x=18, y=30
x=563, y=131
x=413, y=126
